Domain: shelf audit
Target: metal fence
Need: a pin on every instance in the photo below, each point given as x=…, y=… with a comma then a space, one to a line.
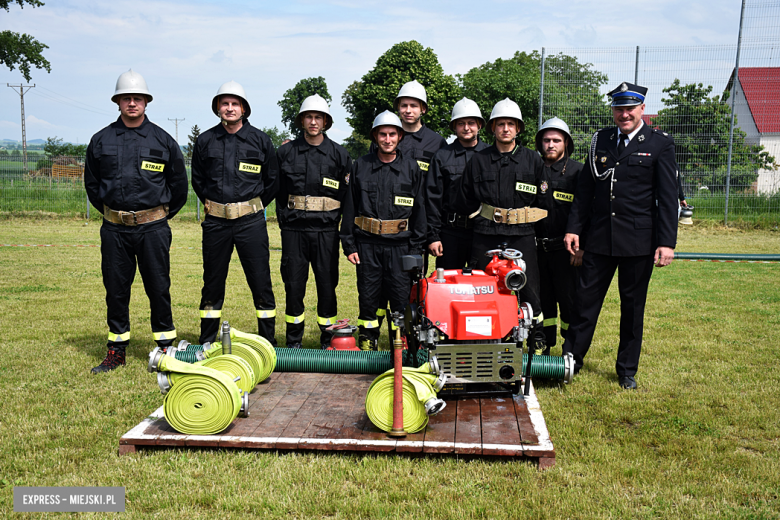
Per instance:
x=692, y=95
x=57, y=186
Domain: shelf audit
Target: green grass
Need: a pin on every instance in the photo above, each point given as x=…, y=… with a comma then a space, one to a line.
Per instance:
x=699, y=439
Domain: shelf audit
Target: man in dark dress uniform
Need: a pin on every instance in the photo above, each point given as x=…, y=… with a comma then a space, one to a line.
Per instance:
x=135, y=176
x=384, y=219
x=557, y=268
x=450, y=233
x=234, y=173
x=498, y=190
x=625, y=210
x=313, y=181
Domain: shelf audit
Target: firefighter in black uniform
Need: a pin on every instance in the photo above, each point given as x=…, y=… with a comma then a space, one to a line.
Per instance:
x=449, y=232
x=497, y=189
x=624, y=216
x=384, y=219
x=313, y=181
x=135, y=176
x=558, y=273
x=419, y=143
x=235, y=174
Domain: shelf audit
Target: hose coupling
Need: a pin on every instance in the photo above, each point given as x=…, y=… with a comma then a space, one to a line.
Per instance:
x=440, y=382
x=434, y=364
x=568, y=363
x=226, y=344
x=244, y=411
x=164, y=382
x=434, y=405
x=154, y=359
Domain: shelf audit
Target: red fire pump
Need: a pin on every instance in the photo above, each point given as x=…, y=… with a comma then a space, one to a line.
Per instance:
x=473, y=322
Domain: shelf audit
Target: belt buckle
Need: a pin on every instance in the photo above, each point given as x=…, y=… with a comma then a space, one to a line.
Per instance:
x=378, y=224
x=123, y=214
x=498, y=218
x=452, y=219
x=401, y=226
x=291, y=202
x=232, y=211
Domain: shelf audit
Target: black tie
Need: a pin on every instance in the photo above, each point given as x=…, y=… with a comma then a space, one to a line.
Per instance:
x=622, y=144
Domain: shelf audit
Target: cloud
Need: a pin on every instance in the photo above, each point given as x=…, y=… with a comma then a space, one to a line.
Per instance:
x=220, y=57
x=33, y=121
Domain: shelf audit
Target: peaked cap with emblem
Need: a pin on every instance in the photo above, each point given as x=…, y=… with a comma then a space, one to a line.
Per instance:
x=627, y=95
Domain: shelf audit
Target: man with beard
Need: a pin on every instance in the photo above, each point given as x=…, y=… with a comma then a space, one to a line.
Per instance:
x=625, y=210
x=384, y=219
x=450, y=233
x=135, y=176
x=313, y=181
x=497, y=189
x=557, y=268
x=234, y=173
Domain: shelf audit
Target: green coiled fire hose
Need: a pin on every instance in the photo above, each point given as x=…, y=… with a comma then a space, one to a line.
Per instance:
x=202, y=401
x=419, y=398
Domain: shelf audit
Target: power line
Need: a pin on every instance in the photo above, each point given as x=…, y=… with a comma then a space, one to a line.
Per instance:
x=52, y=98
x=175, y=120
x=24, y=130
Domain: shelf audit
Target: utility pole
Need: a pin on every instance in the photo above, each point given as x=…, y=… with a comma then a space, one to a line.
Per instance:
x=24, y=130
x=177, y=127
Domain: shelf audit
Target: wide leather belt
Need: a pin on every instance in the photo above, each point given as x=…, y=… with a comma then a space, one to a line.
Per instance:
x=458, y=221
x=233, y=210
x=511, y=216
x=548, y=245
x=307, y=203
x=381, y=227
x=135, y=218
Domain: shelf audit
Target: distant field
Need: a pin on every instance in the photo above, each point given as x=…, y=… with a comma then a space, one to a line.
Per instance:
x=699, y=439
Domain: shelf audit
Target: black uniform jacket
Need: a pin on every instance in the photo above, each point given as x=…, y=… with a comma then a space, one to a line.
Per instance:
x=130, y=169
x=420, y=146
x=236, y=167
x=634, y=210
x=556, y=195
x=317, y=171
x=508, y=181
x=446, y=168
x=387, y=191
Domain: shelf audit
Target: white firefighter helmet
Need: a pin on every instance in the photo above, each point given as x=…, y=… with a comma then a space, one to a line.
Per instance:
x=506, y=108
x=315, y=103
x=466, y=108
x=554, y=123
x=412, y=89
x=231, y=88
x=686, y=216
x=131, y=83
x=386, y=118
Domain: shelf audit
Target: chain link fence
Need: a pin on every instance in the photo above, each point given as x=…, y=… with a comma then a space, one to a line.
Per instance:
x=692, y=95
x=57, y=186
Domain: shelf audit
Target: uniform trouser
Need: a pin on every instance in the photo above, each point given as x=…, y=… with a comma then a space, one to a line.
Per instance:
x=596, y=275
x=379, y=279
x=558, y=281
x=250, y=238
x=151, y=250
x=321, y=250
x=456, y=245
x=526, y=245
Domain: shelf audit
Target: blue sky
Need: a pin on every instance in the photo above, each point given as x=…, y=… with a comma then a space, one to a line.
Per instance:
x=186, y=49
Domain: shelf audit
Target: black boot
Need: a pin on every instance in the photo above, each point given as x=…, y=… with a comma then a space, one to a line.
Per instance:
x=114, y=358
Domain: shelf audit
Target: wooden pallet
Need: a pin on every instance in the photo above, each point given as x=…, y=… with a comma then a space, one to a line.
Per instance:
x=297, y=411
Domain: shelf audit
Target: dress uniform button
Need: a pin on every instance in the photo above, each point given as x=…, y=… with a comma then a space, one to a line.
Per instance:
x=617, y=164
x=613, y=213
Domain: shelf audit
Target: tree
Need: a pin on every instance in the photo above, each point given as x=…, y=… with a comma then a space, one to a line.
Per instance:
x=54, y=147
x=293, y=98
x=700, y=126
x=22, y=50
x=377, y=89
x=188, y=148
x=356, y=145
x=277, y=136
x=571, y=91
